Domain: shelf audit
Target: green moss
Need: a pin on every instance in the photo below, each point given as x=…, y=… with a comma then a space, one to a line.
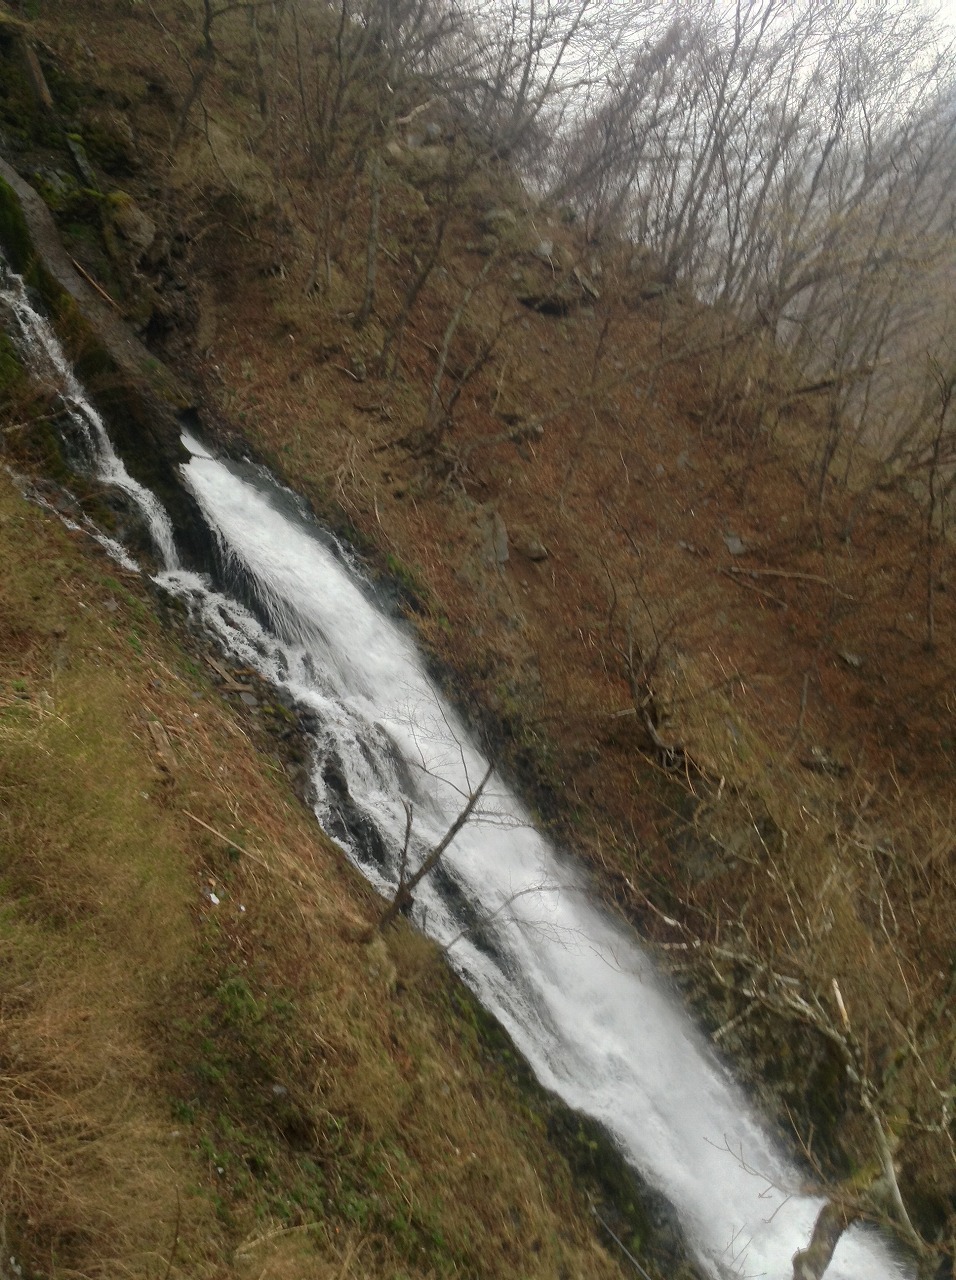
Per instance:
x=17, y=244
x=14, y=235
x=12, y=376
x=108, y=148
x=411, y=589
x=247, y=1090
x=56, y=190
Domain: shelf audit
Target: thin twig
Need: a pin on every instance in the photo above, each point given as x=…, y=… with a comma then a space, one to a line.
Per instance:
x=792, y=574
x=99, y=288
x=734, y=576
x=224, y=838
x=621, y=1245
x=798, y=731
x=172, y=1252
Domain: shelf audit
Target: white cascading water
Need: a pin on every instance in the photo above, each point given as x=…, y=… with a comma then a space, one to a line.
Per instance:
x=581, y=1001
x=51, y=367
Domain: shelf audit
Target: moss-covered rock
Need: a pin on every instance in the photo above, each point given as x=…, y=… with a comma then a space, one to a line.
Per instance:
x=14, y=234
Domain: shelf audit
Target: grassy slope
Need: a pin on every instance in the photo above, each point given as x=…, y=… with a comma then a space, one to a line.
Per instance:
x=246, y=1088
x=632, y=494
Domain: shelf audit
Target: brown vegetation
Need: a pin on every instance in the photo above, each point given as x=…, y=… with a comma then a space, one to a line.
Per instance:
x=204, y=1067
x=720, y=651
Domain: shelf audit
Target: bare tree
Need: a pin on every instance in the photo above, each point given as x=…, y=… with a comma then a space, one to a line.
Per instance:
x=529, y=60
x=409, y=882
x=202, y=62
x=794, y=164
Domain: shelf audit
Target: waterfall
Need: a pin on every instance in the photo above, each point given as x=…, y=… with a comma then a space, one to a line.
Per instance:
x=49, y=365
x=581, y=1000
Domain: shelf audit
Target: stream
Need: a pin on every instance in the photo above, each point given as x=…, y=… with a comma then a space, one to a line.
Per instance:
x=582, y=1002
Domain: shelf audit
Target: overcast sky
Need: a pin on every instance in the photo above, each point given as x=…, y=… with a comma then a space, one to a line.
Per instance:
x=947, y=11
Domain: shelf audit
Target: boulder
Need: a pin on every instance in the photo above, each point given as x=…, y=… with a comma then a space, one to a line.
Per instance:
x=587, y=284
x=499, y=221
x=136, y=227
x=495, y=550
x=535, y=550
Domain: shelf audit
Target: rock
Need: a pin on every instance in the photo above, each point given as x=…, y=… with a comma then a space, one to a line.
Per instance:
x=498, y=221
x=500, y=535
x=851, y=659
x=495, y=541
x=734, y=544
x=135, y=226
x=34, y=72
x=820, y=760
x=544, y=250
x=587, y=285
x=83, y=167
x=54, y=185
x=532, y=548
x=284, y=698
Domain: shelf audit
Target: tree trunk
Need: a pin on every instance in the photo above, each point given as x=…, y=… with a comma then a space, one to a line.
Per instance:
x=406, y=889
x=433, y=428
x=811, y=1263
x=371, y=256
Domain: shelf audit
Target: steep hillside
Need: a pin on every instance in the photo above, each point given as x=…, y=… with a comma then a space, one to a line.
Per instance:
x=721, y=703
x=208, y=1070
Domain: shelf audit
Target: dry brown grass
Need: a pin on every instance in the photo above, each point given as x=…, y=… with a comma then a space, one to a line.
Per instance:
x=632, y=489
x=143, y=1029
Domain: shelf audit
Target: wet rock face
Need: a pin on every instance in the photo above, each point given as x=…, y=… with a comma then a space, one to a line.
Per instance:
x=148, y=441
x=138, y=396
x=125, y=522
